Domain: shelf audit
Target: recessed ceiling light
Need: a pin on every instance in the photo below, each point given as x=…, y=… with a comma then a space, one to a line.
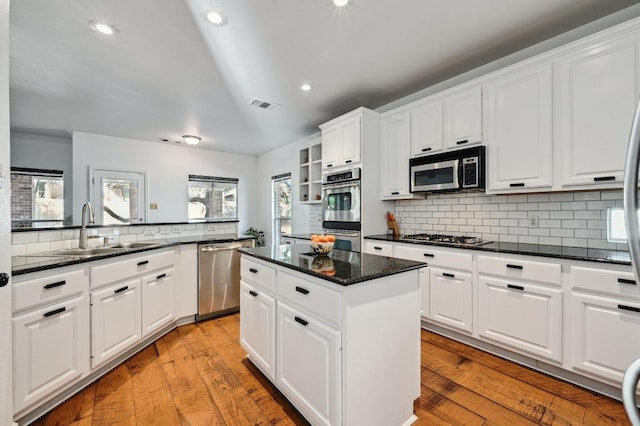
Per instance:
x=216, y=18
x=340, y=3
x=191, y=140
x=103, y=28
x=305, y=87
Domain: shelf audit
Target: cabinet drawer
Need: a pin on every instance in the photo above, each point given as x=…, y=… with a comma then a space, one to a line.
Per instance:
x=461, y=261
x=520, y=269
x=381, y=249
x=116, y=271
x=603, y=280
x=310, y=297
x=258, y=273
x=28, y=294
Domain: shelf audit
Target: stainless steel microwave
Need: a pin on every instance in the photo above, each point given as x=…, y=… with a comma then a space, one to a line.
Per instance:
x=460, y=170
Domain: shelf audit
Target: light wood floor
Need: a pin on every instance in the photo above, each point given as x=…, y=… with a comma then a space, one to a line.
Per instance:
x=198, y=375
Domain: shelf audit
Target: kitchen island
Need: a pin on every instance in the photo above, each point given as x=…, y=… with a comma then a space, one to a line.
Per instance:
x=339, y=335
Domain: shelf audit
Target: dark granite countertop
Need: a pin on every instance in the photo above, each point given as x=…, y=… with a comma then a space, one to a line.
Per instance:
x=300, y=236
x=40, y=261
x=556, y=252
x=349, y=267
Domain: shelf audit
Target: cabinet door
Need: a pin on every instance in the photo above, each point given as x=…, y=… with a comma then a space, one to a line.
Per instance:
x=258, y=327
x=309, y=365
x=463, y=118
x=603, y=342
x=424, y=292
x=597, y=91
x=157, y=300
x=519, y=132
x=394, y=157
x=521, y=316
x=450, y=298
x=51, y=349
x=350, y=141
x=426, y=128
x=115, y=320
x=330, y=147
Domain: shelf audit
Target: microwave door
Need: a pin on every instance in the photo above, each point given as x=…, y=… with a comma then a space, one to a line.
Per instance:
x=439, y=176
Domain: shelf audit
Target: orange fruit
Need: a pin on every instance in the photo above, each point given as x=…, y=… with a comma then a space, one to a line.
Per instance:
x=331, y=238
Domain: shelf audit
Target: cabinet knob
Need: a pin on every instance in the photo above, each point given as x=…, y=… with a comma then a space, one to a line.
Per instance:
x=4, y=279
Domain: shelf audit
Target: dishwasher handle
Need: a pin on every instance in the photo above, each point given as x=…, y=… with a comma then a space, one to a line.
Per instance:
x=221, y=247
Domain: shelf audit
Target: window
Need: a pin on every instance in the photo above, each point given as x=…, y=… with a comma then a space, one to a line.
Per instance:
x=37, y=198
x=616, y=229
x=118, y=196
x=281, y=186
x=213, y=198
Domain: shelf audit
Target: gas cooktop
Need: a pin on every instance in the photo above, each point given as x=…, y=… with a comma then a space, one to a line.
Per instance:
x=455, y=240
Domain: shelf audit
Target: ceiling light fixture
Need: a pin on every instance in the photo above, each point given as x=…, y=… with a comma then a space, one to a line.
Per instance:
x=216, y=18
x=103, y=28
x=191, y=140
x=305, y=87
x=340, y=3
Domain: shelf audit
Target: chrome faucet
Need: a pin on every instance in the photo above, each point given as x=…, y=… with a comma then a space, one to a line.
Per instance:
x=83, y=243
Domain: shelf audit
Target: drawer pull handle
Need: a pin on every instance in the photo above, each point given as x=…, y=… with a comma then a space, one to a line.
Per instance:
x=301, y=321
x=377, y=248
x=448, y=275
x=510, y=266
x=54, y=312
x=628, y=308
x=302, y=290
x=161, y=276
x=253, y=270
x=120, y=290
x=253, y=293
x=395, y=193
x=601, y=178
x=426, y=149
x=329, y=165
x=428, y=255
x=626, y=281
x=515, y=287
x=462, y=142
x=516, y=185
x=144, y=262
x=347, y=162
x=52, y=285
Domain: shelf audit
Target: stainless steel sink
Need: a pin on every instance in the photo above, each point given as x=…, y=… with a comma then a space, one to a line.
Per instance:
x=87, y=252
x=134, y=245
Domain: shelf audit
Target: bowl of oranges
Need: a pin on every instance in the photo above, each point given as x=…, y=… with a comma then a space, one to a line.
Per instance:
x=322, y=244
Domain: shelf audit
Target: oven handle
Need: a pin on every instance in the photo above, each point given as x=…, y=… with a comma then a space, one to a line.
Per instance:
x=328, y=186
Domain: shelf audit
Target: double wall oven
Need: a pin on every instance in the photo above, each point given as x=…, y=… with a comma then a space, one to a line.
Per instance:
x=341, y=208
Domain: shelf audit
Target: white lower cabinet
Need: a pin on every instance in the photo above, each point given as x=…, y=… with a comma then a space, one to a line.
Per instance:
x=115, y=320
x=451, y=298
x=521, y=316
x=309, y=365
x=157, y=300
x=258, y=327
x=51, y=349
x=424, y=292
x=603, y=343
x=381, y=249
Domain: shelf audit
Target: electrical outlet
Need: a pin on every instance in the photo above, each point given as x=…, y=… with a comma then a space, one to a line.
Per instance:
x=533, y=221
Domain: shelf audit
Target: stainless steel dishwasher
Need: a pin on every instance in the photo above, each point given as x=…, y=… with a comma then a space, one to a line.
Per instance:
x=219, y=278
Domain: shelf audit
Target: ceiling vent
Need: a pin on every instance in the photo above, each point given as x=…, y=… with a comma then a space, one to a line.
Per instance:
x=264, y=104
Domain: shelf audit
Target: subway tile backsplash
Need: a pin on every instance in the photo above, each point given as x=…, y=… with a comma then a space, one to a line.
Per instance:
x=577, y=219
x=29, y=242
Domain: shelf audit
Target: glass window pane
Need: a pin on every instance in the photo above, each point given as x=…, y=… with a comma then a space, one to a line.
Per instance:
x=119, y=201
x=37, y=198
x=281, y=208
x=214, y=199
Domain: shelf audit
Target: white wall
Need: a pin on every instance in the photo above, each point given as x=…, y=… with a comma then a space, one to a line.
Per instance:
x=6, y=395
x=276, y=162
x=168, y=167
x=42, y=152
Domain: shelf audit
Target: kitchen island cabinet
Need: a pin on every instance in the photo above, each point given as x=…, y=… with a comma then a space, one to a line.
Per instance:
x=347, y=344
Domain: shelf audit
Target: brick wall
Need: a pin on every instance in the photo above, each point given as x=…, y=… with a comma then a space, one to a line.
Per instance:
x=21, y=197
x=577, y=219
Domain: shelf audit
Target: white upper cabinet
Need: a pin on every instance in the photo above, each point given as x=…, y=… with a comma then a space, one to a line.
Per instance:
x=519, y=132
x=596, y=91
x=426, y=128
x=463, y=118
x=394, y=157
x=341, y=141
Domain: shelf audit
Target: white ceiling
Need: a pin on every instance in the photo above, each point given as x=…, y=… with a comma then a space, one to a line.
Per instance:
x=170, y=72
